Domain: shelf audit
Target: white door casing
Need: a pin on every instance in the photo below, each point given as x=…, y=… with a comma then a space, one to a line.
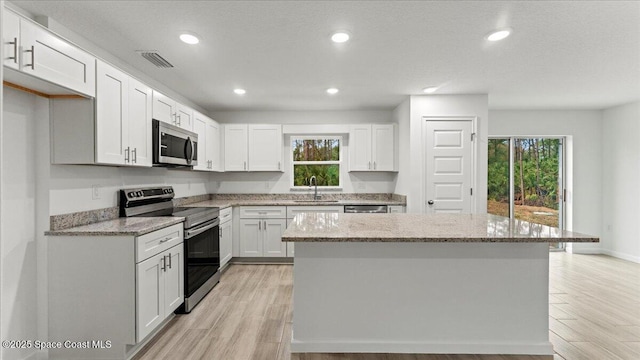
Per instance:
x=449, y=165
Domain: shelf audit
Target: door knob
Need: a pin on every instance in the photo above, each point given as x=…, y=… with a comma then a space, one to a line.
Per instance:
x=430, y=202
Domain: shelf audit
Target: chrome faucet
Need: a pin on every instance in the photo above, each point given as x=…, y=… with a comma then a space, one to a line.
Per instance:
x=314, y=182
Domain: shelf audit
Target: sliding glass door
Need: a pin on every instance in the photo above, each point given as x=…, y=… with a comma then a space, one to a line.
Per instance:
x=526, y=180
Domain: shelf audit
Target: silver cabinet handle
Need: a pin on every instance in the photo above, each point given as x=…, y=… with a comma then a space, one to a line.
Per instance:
x=135, y=155
x=175, y=118
x=33, y=57
x=259, y=225
x=126, y=155
x=165, y=239
x=164, y=264
x=15, y=50
x=374, y=165
x=369, y=165
x=278, y=165
x=265, y=225
x=169, y=256
x=245, y=165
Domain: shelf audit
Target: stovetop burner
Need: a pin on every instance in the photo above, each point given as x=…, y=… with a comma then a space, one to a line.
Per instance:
x=149, y=202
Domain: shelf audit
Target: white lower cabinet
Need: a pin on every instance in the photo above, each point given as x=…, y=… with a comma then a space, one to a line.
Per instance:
x=226, y=236
x=396, y=208
x=261, y=231
x=117, y=288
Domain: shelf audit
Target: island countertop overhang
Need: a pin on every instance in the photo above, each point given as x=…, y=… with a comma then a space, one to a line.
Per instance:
x=447, y=228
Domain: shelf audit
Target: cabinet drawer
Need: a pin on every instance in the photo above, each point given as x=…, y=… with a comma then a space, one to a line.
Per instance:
x=292, y=211
x=263, y=212
x=150, y=244
x=225, y=214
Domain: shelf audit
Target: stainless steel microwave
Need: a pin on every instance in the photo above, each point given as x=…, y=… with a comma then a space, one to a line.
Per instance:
x=174, y=146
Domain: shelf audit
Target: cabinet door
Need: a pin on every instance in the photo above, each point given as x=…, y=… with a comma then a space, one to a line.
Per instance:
x=140, y=99
x=383, y=147
x=265, y=148
x=149, y=295
x=272, y=243
x=235, y=147
x=164, y=108
x=173, y=279
x=48, y=57
x=290, y=245
x=200, y=128
x=360, y=148
x=226, y=236
x=213, y=145
x=251, y=237
x=112, y=129
x=184, y=117
x=11, y=39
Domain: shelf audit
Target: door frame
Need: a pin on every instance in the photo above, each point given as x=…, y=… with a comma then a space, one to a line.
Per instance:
x=474, y=156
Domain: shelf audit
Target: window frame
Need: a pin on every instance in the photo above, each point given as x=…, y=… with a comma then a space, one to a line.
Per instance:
x=330, y=162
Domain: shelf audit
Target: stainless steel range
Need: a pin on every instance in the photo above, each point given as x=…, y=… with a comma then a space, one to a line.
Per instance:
x=201, y=237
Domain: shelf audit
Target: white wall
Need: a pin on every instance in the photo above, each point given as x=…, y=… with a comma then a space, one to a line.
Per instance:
x=278, y=183
x=443, y=105
x=621, y=177
x=584, y=159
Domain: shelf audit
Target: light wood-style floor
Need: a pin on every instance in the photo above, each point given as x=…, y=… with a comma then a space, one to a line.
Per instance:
x=594, y=315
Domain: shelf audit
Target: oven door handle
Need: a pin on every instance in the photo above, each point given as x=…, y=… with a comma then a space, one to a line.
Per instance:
x=199, y=230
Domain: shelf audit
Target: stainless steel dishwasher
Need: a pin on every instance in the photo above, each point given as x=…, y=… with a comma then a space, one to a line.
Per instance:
x=365, y=209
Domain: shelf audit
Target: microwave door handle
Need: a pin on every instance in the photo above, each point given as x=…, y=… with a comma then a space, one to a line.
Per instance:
x=188, y=150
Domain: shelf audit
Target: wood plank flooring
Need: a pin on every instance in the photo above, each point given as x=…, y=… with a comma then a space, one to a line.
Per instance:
x=594, y=308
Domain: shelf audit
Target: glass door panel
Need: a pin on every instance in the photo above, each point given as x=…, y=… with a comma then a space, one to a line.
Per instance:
x=498, y=177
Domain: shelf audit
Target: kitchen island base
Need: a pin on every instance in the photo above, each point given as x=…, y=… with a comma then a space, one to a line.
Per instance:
x=420, y=297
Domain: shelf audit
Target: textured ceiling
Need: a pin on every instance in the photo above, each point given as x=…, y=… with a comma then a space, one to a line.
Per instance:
x=562, y=54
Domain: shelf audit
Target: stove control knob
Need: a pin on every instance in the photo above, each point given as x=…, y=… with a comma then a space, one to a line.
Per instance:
x=139, y=193
x=131, y=194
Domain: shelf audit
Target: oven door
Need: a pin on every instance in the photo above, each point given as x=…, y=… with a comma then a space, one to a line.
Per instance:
x=202, y=255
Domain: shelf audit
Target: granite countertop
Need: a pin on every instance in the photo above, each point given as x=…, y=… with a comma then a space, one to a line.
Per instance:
x=324, y=227
x=132, y=226
x=261, y=202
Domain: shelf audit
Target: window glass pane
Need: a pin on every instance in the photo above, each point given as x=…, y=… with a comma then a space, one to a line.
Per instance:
x=326, y=175
x=316, y=149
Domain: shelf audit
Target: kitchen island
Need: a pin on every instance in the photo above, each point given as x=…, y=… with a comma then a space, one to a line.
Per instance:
x=422, y=283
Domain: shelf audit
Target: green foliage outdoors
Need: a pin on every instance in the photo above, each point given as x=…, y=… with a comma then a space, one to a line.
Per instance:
x=535, y=171
x=316, y=150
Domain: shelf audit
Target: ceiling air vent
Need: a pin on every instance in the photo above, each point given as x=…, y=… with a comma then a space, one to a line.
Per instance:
x=155, y=58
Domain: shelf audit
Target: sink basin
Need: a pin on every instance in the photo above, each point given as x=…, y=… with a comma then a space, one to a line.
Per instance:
x=315, y=201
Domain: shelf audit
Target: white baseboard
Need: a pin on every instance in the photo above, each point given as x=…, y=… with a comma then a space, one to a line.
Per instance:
x=297, y=346
x=587, y=251
x=623, y=256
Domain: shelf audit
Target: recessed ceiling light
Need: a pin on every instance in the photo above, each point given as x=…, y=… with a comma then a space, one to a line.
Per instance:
x=430, y=89
x=340, y=37
x=240, y=91
x=498, y=35
x=332, y=91
x=189, y=38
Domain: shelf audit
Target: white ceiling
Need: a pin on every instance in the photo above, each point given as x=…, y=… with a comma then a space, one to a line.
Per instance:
x=562, y=54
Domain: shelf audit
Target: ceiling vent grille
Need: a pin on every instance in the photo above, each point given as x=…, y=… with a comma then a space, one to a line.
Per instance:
x=155, y=58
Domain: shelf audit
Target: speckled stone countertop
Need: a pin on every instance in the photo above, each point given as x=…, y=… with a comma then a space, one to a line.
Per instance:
x=225, y=203
x=133, y=226
x=324, y=227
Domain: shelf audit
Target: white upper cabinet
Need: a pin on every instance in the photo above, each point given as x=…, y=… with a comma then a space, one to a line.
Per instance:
x=123, y=118
x=164, y=108
x=140, y=99
x=360, y=148
x=172, y=112
x=265, y=147
x=235, y=147
x=253, y=147
x=212, y=140
x=184, y=117
x=36, y=51
x=112, y=128
x=200, y=128
x=10, y=40
x=383, y=147
x=373, y=147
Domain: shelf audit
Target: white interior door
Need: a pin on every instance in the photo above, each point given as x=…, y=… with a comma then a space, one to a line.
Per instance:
x=448, y=166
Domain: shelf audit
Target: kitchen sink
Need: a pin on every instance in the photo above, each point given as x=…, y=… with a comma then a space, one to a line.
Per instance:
x=315, y=201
